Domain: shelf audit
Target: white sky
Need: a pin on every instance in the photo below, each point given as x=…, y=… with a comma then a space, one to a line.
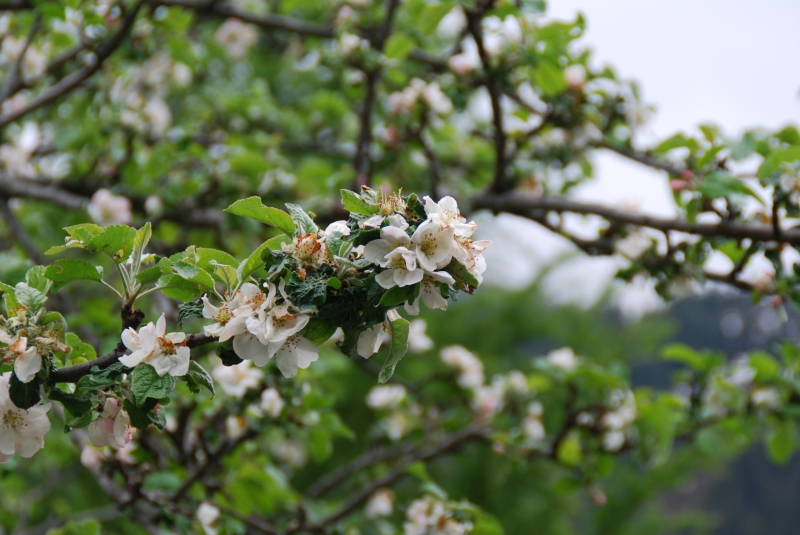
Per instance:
x=733, y=63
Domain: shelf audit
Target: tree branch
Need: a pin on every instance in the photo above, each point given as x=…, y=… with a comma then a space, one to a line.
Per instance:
x=534, y=207
x=71, y=81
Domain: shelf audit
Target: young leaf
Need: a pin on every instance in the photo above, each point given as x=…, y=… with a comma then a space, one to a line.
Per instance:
x=115, y=241
x=193, y=273
x=140, y=240
x=397, y=349
x=98, y=378
x=176, y=287
x=305, y=225
x=196, y=377
x=253, y=208
x=461, y=274
x=30, y=298
x=84, y=232
x=141, y=419
x=149, y=275
x=24, y=395
x=723, y=184
x=252, y=263
x=35, y=278
x=319, y=330
x=145, y=383
x=77, y=407
x=355, y=204
x=206, y=257
x=227, y=355
x=399, y=294
x=192, y=309
x=66, y=271
x=308, y=293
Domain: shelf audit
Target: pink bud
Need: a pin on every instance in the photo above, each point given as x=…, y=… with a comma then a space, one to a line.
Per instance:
x=677, y=185
x=687, y=174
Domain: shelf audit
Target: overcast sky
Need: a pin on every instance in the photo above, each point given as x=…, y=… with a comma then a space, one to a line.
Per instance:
x=732, y=63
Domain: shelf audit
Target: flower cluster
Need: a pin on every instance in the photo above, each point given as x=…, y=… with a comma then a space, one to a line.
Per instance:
x=430, y=516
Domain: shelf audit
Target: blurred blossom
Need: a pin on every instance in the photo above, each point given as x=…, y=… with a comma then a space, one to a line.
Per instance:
x=16, y=157
x=759, y=273
x=91, y=457
x=291, y=452
x=159, y=115
x=766, y=398
x=208, y=515
x=105, y=208
x=517, y=382
x=634, y=245
x=452, y=24
x=34, y=63
x=429, y=516
x=489, y=399
x=153, y=205
x=238, y=379
x=380, y=503
x=575, y=76
x=469, y=367
x=235, y=426
x=386, y=396
x=349, y=43
x=271, y=402
x=237, y=37
x=418, y=340
x=396, y=425
x=563, y=358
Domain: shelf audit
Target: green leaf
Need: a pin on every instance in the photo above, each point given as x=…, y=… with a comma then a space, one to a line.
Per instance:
x=30, y=298
x=196, y=377
x=35, y=278
x=780, y=443
x=308, y=293
x=79, y=349
x=775, y=160
x=115, y=241
x=399, y=46
x=176, y=287
x=319, y=330
x=320, y=444
x=723, y=184
x=141, y=419
x=24, y=395
x=549, y=76
x=487, y=525
x=85, y=527
x=227, y=355
x=356, y=204
x=145, y=383
x=765, y=365
x=397, y=349
x=252, y=263
x=77, y=407
x=84, y=232
x=193, y=273
x=461, y=274
x=10, y=297
x=140, y=240
x=696, y=360
x=98, y=379
x=192, y=309
x=676, y=141
x=399, y=294
x=66, y=271
x=149, y=275
x=569, y=451
x=305, y=225
x=206, y=257
x=253, y=208
x=276, y=242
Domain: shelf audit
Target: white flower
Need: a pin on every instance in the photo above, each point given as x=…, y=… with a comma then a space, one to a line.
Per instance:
x=533, y=429
x=396, y=425
x=758, y=273
x=237, y=37
x=167, y=353
x=575, y=76
x=392, y=253
x=308, y=249
x=295, y=352
x=790, y=184
x=489, y=399
x=434, y=245
x=105, y=208
x=469, y=366
x=418, y=340
x=500, y=34
x=349, y=43
x=235, y=426
x=370, y=340
x=766, y=398
x=271, y=402
x=112, y=427
x=238, y=379
x=380, y=503
x=21, y=431
x=429, y=516
x=91, y=458
x=517, y=382
x=27, y=360
x=613, y=440
x=226, y=324
x=634, y=245
x=386, y=396
x=338, y=226
x=291, y=452
x=159, y=116
x=468, y=60
x=437, y=101
x=452, y=24
x=430, y=292
x=563, y=358
x=208, y=515
x=469, y=253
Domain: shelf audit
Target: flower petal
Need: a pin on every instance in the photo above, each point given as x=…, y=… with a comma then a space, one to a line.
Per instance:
x=28, y=365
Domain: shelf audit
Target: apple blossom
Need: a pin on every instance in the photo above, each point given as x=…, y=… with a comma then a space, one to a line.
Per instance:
x=380, y=503
x=27, y=360
x=208, y=515
x=563, y=358
x=167, y=353
x=469, y=366
x=418, y=340
x=430, y=292
x=338, y=226
x=226, y=324
x=429, y=516
x=386, y=396
x=237, y=37
x=21, y=431
x=370, y=340
x=434, y=245
x=112, y=427
x=236, y=380
x=105, y=208
x=271, y=402
x=766, y=398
